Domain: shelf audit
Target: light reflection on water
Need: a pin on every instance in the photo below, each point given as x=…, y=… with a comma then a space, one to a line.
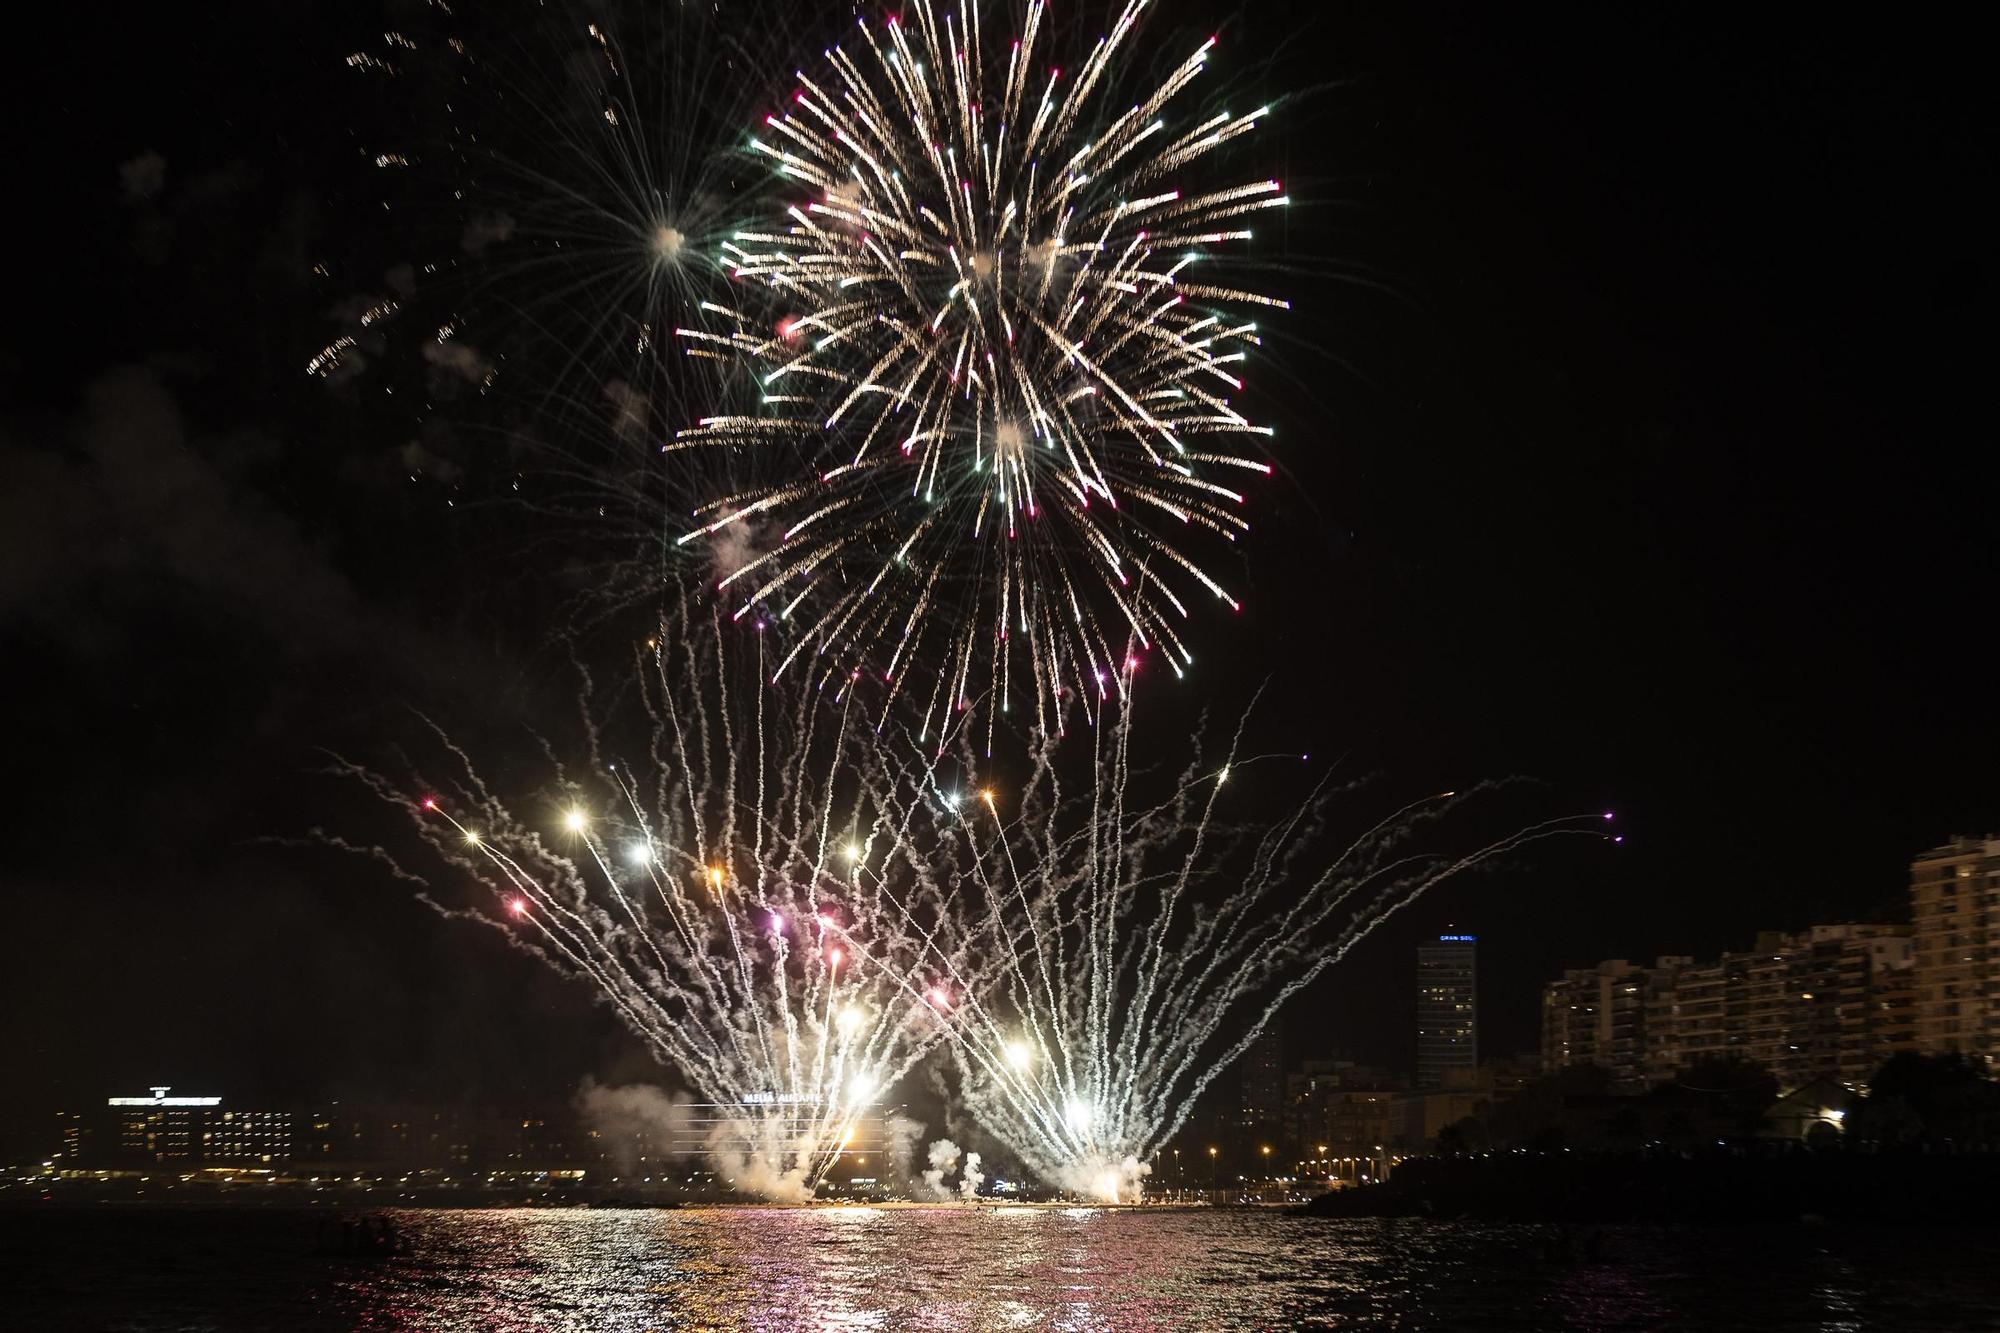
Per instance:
x=1001, y=1268
x=1074, y=1270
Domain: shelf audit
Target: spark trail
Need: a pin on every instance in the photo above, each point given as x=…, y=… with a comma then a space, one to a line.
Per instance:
x=544, y=197
x=996, y=375
x=1111, y=941
x=741, y=887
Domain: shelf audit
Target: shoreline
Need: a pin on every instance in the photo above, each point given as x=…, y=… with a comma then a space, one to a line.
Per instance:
x=253, y=1198
x=1888, y=1189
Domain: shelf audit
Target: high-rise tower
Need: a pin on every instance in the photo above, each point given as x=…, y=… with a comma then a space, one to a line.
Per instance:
x=1447, y=1008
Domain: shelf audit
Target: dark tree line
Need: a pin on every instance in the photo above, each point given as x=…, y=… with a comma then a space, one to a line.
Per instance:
x=1914, y=1102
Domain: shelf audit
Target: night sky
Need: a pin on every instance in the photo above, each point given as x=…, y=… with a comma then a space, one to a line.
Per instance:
x=1634, y=436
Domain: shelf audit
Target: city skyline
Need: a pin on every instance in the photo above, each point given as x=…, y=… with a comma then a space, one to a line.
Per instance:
x=1607, y=1002
x=1952, y=852
x=1836, y=999
x=1818, y=1012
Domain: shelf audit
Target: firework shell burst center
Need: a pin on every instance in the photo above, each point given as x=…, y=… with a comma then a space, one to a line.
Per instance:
x=993, y=388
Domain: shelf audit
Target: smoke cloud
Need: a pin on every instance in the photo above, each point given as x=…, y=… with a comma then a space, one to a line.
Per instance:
x=629, y=412
x=143, y=176
x=459, y=358
x=634, y=1122
x=1108, y=1180
x=900, y=1136
x=484, y=230
x=758, y=1168
x=734, y=547
x=944, y=1159
x=639, y=1122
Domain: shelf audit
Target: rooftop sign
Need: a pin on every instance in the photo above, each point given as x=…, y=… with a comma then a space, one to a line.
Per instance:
x=160, y=1098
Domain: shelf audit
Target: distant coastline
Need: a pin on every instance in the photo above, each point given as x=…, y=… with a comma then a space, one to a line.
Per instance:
x=1901, y=1189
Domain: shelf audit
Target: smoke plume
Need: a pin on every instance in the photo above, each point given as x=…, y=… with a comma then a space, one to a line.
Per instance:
x=634, y=1122
x=944, y=1159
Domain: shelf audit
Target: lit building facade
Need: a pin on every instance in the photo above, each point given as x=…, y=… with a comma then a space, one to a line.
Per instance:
x=259, y=1137
x=747, y=1127
x=1852, y=1003
x=1608, y=1016
x=1955, y=912
x=1263, y=1081
x=1832, y=1001
x=162, y=1127
x=166, y=1128
x=1447, y=1009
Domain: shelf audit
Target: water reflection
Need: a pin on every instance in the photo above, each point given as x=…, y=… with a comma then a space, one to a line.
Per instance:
x=1004, y=1268
x=1077, y=1270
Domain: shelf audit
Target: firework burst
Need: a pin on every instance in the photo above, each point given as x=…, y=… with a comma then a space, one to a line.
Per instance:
x=744, y=888
x=542, y=195
x=995, y=388
x=1119, y=952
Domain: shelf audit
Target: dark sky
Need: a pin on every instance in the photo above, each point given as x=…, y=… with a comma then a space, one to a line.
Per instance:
x=1635, y=439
